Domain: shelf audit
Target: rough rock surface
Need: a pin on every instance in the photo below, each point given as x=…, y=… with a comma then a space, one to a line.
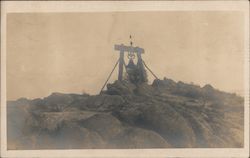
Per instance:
x=165, y=114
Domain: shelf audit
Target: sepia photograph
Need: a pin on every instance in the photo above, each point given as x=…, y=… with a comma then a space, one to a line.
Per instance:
x=109, y=76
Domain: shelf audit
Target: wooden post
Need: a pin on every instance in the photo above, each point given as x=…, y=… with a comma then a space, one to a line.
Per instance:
x=139, y=58
x=121, y=63
x=141, y=67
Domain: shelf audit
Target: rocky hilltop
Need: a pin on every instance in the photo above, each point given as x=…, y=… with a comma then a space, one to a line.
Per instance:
x=166, y=114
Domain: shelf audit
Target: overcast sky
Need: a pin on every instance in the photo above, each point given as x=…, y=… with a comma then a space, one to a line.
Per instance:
x=73, y=52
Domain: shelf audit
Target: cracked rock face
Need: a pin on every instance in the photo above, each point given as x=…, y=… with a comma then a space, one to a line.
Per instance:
x=165, y=114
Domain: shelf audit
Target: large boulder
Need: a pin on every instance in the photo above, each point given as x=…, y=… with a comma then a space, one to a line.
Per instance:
x=120, y=88
x=106, y=125
x=162, y=119
x=139, y=138
x=101, y=102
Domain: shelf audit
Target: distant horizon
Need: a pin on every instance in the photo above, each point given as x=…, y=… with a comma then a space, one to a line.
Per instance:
x=74, y=52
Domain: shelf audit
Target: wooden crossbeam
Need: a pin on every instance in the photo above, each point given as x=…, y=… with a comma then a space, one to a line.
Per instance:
x=123, y=48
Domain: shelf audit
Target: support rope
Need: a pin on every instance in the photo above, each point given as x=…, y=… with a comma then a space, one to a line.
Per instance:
x=109, y=75
x=149, y=70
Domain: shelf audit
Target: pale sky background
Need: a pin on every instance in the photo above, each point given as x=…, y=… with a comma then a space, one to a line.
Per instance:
x=73, y=52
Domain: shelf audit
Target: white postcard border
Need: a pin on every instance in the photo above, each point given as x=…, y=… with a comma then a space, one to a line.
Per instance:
x=115, y=6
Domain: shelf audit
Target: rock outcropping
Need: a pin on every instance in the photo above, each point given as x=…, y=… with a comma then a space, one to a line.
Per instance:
x=165, y=114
